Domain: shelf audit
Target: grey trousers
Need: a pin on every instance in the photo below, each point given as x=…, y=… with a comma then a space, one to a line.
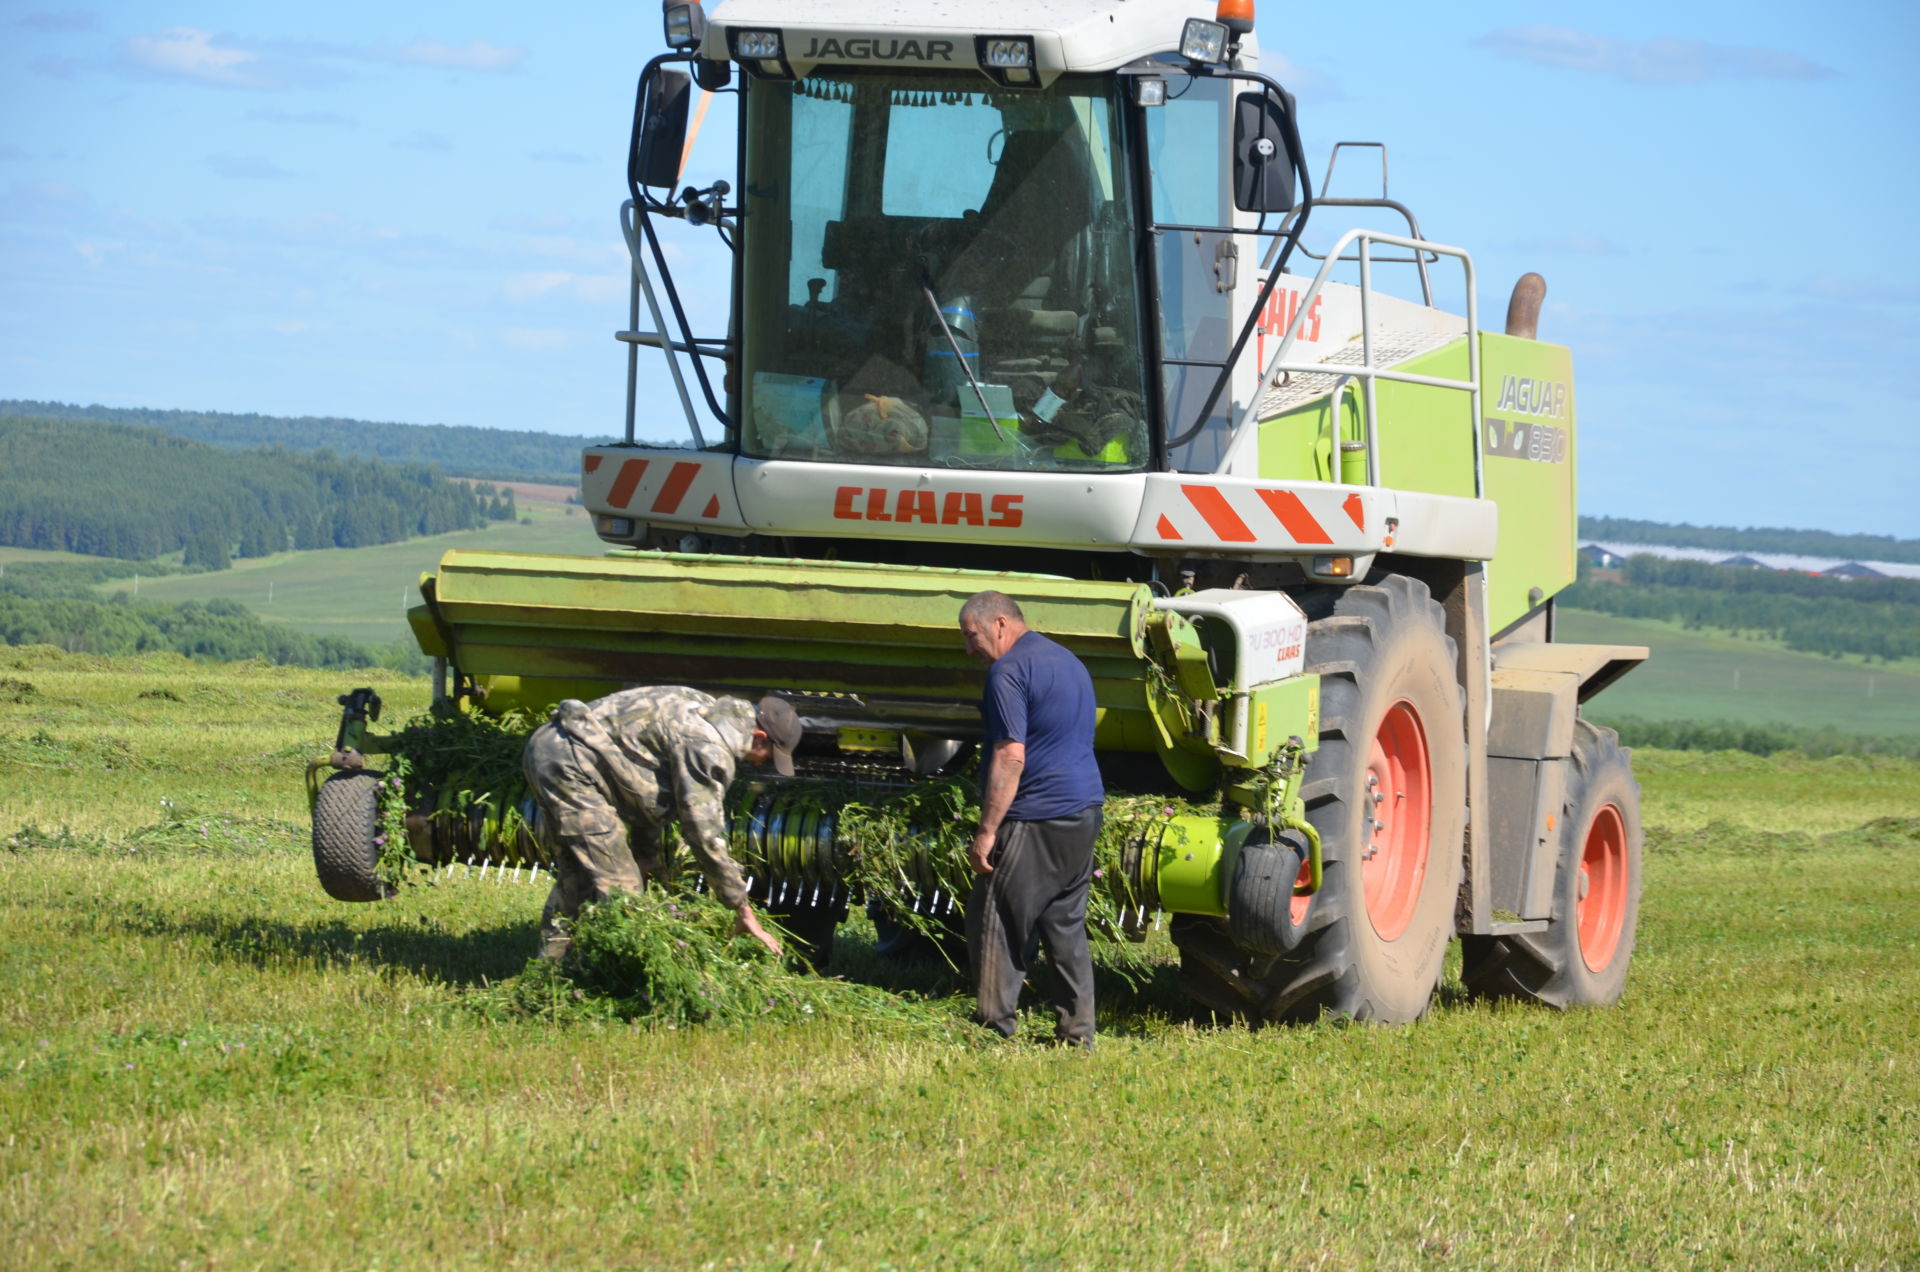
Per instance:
x=1037, y=890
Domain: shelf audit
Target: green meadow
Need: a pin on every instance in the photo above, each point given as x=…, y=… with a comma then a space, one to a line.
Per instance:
x=363, y=593
x=206, y=1063
x=1707, y=675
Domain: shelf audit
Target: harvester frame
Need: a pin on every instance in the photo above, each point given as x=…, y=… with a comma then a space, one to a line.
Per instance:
x=1317, y=580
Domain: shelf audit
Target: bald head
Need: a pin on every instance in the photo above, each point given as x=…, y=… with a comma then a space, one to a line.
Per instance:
x=991, y=622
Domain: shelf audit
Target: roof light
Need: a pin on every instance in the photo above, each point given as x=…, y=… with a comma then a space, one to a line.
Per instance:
x=1007, y=58
x=686, y=23
x=763, y=46
x=1203, y=41
x=1150, y=90
x=1009, y=53
x=761, y=52
x=1235, y=15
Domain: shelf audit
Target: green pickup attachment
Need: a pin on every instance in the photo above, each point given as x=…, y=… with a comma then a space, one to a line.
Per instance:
x=535, y=629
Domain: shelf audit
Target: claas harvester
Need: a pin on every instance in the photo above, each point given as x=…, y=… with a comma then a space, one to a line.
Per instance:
x=1039, y=296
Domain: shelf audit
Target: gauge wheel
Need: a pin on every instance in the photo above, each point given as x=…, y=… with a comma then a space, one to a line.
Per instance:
x=346, y=819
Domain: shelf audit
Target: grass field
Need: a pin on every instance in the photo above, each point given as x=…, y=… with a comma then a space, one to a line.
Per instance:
x=205, y=1063
x=363, y=593
x=1701, y=675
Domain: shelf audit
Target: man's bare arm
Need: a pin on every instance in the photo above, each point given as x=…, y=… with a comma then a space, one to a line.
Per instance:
x=1003, y=783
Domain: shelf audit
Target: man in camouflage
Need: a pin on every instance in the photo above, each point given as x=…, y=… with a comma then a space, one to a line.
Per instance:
x=637, y=758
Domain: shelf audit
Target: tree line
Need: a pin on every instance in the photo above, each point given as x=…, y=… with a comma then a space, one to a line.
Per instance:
x=55, y=603
x=1756, y=739
x=1814, y=543
x=1875, y=618
x=491, y=454
x=138, y=493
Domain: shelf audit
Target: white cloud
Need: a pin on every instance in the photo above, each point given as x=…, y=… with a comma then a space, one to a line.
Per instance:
x=1657, y=61
x=564, y=284
x=95, y=254
x=245, y=167
x=1574, y=245
x=190, y=53
x=533, y=339
x=432, y=142
x=475, y=55
x=312, y=118
x=66, y=20
x=1834, y=287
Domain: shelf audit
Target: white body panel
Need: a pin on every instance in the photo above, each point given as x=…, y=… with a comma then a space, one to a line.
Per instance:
x=1068, y=35
x=1164, y=514
x=1269, y=631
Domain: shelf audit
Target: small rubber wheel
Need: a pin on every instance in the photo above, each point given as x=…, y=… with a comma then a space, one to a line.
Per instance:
x=1581, y=959
x=346, y=819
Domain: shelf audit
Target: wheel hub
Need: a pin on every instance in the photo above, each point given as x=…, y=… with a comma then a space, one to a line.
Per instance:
x=1396, y=820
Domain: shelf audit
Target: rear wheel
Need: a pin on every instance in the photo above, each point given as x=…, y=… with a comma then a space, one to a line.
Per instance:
x=346, y=819
x=1581, y=959
x=1387, y=792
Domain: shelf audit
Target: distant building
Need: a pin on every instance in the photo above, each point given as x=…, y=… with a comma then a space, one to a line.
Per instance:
x=1744, y=562
x=1852, y=570
x=1601, y=558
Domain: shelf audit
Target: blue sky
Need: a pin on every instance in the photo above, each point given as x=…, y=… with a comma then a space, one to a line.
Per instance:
x=408, y=212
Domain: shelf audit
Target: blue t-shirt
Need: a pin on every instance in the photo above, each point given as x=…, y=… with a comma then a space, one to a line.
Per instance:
x=1040, y=695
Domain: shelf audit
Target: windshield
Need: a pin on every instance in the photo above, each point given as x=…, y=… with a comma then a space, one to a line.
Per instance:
x=939, y=272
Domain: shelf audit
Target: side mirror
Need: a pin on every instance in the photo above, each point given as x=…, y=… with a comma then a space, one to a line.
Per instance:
x=662, y=131
x=1262, y=165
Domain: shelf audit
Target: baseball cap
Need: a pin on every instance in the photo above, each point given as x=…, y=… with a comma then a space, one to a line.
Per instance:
x=776, y=718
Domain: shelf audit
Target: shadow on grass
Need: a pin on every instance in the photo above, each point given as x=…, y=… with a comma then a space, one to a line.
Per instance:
x=423, y=948
x=1134, y=995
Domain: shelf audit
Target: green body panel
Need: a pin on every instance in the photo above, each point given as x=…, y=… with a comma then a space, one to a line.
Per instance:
x=1527, y=411
x=533, y=629
x=1195, y=859
x=1425, y=433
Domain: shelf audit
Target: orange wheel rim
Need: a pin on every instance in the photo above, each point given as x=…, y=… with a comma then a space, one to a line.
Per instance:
x=1396, y=820
x=1603, y=888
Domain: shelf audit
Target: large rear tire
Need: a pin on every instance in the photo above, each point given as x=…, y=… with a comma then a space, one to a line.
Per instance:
x=1387, y=791
x=1581, y=959
x=346, y=819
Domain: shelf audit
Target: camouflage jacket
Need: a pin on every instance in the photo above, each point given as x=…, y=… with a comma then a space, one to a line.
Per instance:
x=664, y=750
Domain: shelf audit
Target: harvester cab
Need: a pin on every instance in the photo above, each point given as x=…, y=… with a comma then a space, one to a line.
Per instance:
x=1022, y=295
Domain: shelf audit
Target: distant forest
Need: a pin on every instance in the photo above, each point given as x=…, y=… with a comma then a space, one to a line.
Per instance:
x=492, y=454
x=1814, y=543
x=137, y=493
x=1876, y=618
x=53, y=603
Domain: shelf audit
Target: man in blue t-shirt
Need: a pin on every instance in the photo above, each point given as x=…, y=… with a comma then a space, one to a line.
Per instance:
x=1040, y=798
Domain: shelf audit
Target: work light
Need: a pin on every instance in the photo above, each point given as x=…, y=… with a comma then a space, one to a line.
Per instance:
x=686, y=23
x=1007, y=58
x=1203, y=41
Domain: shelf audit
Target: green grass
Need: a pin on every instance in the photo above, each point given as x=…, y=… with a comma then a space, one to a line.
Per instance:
x=363, y=593
x=1704, y=675
x=205, y=1063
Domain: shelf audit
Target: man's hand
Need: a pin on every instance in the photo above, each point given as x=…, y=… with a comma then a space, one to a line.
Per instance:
x=744, y=920
x=980, y=853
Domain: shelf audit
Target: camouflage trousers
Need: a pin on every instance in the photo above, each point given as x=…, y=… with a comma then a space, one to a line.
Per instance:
x=593, y=856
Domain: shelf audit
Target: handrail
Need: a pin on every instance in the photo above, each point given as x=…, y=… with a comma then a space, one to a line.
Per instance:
x=1367, y=373
x=641, y=284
